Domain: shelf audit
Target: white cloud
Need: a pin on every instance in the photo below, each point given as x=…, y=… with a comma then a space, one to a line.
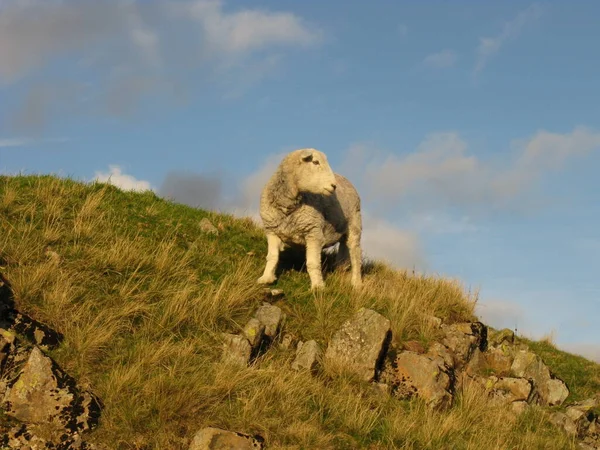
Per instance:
x=116, y=177
x=445, y=58
x=382, y=240
x=442, y=172
x=488, y=46
x=249, y=30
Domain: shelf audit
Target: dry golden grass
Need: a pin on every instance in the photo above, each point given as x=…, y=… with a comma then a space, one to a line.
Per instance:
x=141, y=296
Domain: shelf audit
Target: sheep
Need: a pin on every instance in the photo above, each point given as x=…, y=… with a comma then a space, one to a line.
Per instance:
x=306, y=204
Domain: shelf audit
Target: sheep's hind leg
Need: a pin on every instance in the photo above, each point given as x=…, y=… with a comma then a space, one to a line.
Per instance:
x=274, y=244
x=343, y=254
x=355, y=257
x=313, y=263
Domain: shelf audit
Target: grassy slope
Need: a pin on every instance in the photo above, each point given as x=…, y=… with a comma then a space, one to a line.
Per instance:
x=141, y=295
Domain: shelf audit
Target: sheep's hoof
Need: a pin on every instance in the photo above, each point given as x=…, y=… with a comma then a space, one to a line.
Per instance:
x=317, y=286
x=356, y=283
x=266, y=280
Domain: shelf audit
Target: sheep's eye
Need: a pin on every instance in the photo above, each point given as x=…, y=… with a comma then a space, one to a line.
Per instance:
x=315, y=162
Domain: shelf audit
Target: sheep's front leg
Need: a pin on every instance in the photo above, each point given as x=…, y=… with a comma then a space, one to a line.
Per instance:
x=274, y=244
x=313, y=263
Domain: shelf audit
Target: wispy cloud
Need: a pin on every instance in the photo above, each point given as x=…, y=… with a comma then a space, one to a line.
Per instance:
x=440, y=60
x=26, y=141
x=126, y=48
x=118, y=178
x=442, y=171
x=489, y=46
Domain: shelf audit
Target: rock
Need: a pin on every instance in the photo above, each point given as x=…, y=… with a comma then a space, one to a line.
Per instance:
x=499, y=360
x=548, y=390
x=206, y=226
x=561, y=420
x=581, y=409
x=413, y=346
x=440, y=351
x=519, y=407
x=43, y=394
x=422, y=375
x=512, y=389
x=557, y=392
x=434, y=321
x=33, y=437
x=497, y=338
x=271, y=317
x=236, y=349
x=217, y=439
x=34, y=331
x=359, y=346
x=462, y=339
x=307, y=356
x=288, y=340
x=477, y=364
x=254, y=331
x=5, y=345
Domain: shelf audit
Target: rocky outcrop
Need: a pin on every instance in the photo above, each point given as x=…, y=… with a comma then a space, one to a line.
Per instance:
x=426, y=376
x=463, y=339
x=581, y=420
x=45, y=406
x=360, y=345
x=549, y=391
x=217, y=439
x=257, y=335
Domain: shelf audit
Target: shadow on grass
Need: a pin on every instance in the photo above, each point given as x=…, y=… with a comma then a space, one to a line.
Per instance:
x=294, y=259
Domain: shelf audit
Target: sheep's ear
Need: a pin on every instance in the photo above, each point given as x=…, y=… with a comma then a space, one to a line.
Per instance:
x=307, y=156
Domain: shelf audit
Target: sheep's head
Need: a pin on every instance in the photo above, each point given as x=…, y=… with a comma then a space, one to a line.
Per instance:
x=313, y=173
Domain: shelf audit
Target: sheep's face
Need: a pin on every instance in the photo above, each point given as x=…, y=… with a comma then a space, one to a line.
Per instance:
x=314, y=174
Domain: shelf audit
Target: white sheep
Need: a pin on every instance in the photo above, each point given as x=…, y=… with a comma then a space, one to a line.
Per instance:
x=305, y=203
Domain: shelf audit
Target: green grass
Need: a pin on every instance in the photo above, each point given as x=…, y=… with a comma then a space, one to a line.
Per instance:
x=142, y=295
x=581, y=375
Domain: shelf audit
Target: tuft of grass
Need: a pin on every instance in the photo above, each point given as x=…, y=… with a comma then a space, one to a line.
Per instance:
x=141, y=295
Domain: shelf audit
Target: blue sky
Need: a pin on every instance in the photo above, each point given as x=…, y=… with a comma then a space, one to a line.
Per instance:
x=471, y=129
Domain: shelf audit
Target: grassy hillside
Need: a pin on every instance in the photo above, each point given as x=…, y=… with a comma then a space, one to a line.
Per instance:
x=141, y=295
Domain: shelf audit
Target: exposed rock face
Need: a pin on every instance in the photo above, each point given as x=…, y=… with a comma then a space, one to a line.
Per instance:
x=463, y=339
x=500, y=337
x=43, y=394
x=254, y=332
x=271, y=317
x=423, y=375
x=35, y=396
x=217, y=439
x=236, y=349
x=361, y=343
x=549, y=391
x=581, y=420
x=509, y=390
x=260, y=331
x=307, y=356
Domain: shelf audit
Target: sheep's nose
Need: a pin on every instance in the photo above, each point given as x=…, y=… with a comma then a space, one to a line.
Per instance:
x=333, y=185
